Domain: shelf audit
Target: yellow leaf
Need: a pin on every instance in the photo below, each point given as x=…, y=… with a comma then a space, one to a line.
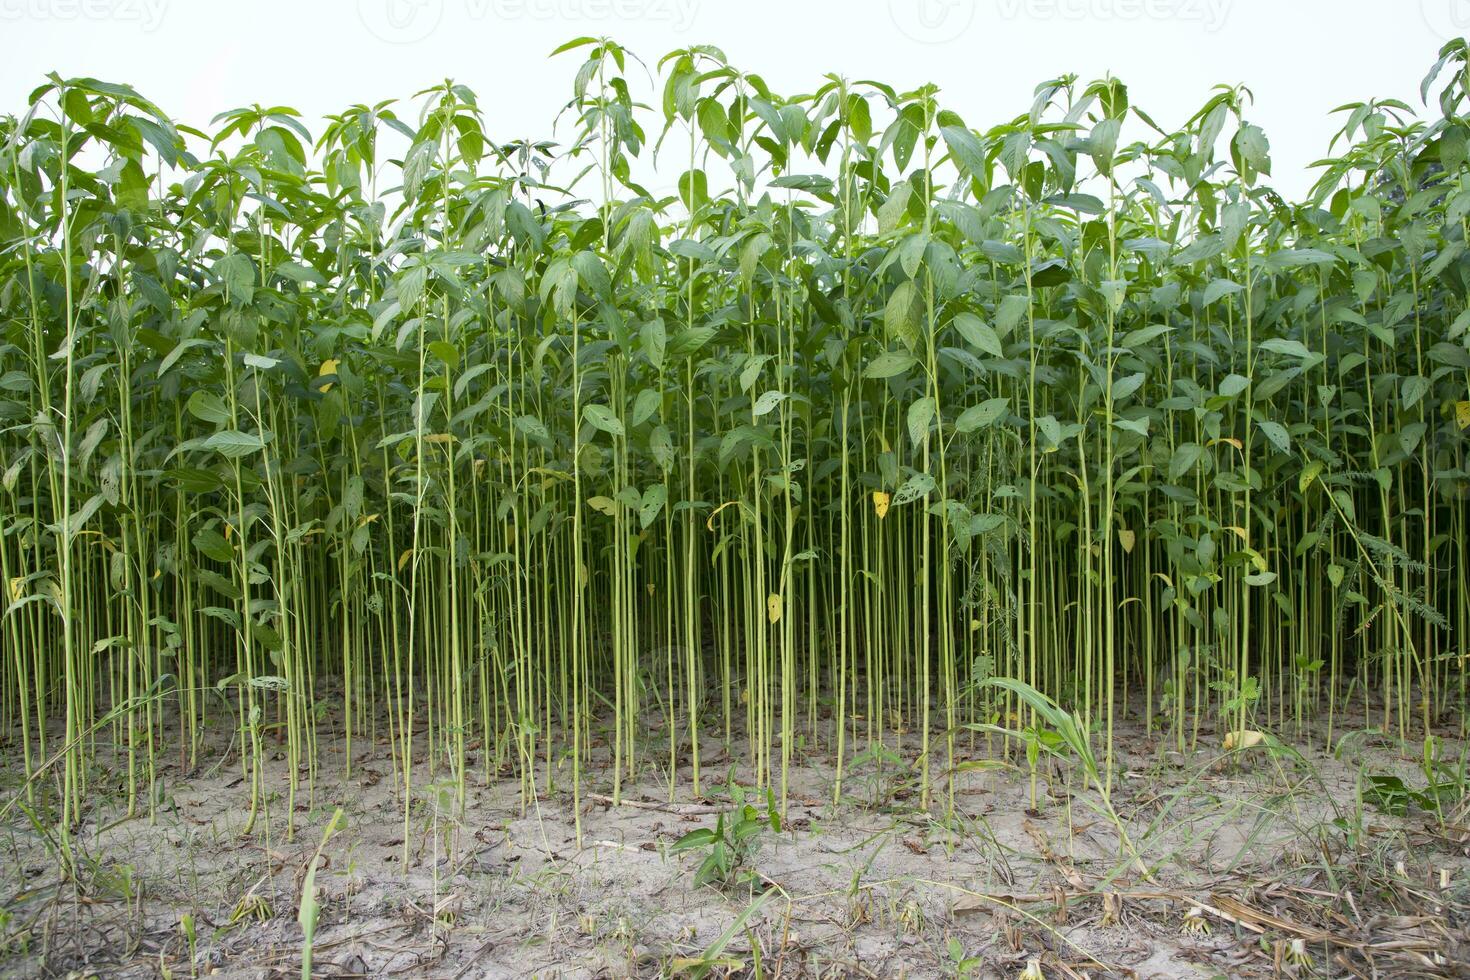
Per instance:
x=710, y=524
x=439, y=437
x=603, y=505
x=1462, y=414
x=328, y=367
x=403, y=558
x=1246, y=739
x=880, y=503
x=17, y=588
x=773, y=607
x=1126, y=539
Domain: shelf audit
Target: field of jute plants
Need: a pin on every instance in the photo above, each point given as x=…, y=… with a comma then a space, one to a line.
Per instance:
x=745, y=534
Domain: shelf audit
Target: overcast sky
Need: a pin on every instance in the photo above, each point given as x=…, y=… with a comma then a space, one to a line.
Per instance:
x=198, y=57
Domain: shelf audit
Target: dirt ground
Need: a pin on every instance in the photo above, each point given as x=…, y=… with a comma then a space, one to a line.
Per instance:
x=1258, y=864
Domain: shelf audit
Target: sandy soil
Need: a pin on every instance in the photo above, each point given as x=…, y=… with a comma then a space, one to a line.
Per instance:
x=1261, y=864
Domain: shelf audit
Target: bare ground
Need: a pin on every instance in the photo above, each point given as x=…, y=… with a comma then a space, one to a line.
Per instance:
x=1259, y=863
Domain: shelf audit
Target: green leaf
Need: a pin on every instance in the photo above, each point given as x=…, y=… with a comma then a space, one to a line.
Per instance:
x=644, y=406
x=208, y=407
x=234, y=444
x=1051, y=429
x=915, y=487
x=979, y=334
x=889, y=364
x=1125, y=386
x=985, y=414
x=1139, y=426
x=1008, y=315
x=892, y=210
x=966, y=151
x=533, y=427
x=902, y=312
x=214, y=545
x=1185, y=458
x=752, y=370
x=920, y=416
x=1233, y=385
x=446, y=352
x=236, y=272
x=1289, y=348
x=1253, y=147
x=601, y=417
x=767, y=402
x=655, y=341
x=1219, y=288
x=1276, y=432
x=173, y=356
x=1413, y=389
x=652, y=502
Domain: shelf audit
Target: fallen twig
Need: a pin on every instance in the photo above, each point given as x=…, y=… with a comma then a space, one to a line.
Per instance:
x=680, y=809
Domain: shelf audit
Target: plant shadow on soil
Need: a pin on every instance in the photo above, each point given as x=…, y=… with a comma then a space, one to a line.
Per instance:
x=1260, y=863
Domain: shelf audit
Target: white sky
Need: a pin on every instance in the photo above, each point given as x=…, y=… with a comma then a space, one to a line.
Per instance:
x=198, y=57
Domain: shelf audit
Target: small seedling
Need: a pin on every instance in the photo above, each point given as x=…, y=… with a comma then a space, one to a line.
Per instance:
x=962, y=965
x=310, y=908
x=734, y=839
